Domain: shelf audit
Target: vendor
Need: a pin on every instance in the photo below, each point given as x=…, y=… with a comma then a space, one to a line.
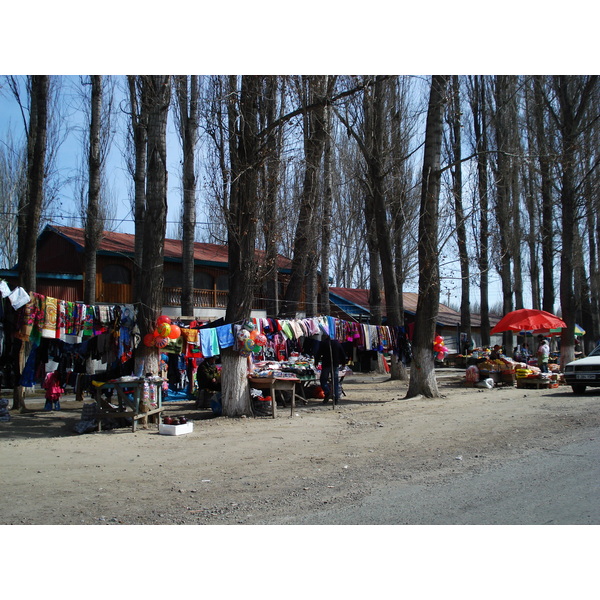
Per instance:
x=208, y=376
x=496, y=352
x=331, y=355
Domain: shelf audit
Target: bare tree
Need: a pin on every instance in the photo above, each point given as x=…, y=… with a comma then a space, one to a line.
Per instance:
x=12, y=181
x=422, y=376
x=30, y=203
x=543, y=135
x=93, y=223
x=312, y=91
x=242, y=226
x=574, y=94
x=455, y=122
x=504, y=89
x=187, y=91
x=155, y=109
x=138, y=114
x=478, y=108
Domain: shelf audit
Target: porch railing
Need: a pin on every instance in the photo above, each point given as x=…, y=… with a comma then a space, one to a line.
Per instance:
x=204, y=298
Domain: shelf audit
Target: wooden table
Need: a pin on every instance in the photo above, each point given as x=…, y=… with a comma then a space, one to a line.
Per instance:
x=274, y=384
x=127, y=407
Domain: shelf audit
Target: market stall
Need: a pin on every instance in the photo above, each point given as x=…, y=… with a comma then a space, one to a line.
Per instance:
x=488, y=372
x=136, y=398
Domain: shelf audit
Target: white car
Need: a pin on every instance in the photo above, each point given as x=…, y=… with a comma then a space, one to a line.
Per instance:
x=584, y=372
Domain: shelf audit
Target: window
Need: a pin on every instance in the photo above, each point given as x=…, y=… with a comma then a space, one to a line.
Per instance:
x=223, y=283
x=203, y=281
x=116, y=274
x=172, y=278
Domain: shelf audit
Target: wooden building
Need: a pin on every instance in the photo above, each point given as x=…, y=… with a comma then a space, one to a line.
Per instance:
x=60, y=267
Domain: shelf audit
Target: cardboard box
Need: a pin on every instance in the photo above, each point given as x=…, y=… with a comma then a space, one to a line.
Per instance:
x=175, y=429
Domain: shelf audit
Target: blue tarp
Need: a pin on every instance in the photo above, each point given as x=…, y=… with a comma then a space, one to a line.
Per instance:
x=179, y=395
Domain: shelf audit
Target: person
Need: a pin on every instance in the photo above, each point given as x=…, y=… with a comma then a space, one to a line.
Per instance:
x=496, y=352
x=543, y=354
x=53, y=391
x=331, y=355
x=208, y=377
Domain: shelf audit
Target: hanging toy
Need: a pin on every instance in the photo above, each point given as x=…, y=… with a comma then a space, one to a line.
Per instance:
x=163, y=319
x=161, y=342
x=149, y=340
x=439, y=348
x=164, y=329
x=175, y=332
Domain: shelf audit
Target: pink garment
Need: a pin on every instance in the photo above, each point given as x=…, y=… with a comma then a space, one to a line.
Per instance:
x=52, y=387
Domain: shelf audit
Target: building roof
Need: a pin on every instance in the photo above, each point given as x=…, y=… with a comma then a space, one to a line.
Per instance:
x=356, y=303
x=124, y=244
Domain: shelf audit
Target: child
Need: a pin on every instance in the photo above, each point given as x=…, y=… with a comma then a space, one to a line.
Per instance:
x=53, y=391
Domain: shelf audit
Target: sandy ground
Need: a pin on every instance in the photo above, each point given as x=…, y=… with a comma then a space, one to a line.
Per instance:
x=247, y=471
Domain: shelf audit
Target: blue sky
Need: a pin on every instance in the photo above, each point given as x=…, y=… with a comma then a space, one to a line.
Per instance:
x=70, y=151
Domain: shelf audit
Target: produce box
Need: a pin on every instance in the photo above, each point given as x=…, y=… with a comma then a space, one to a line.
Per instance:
x=175, y=429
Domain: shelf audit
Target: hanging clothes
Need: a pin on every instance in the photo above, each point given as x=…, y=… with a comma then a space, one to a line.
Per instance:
x=209, y=341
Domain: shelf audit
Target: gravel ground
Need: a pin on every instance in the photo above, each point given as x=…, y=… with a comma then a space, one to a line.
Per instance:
x=249, y=471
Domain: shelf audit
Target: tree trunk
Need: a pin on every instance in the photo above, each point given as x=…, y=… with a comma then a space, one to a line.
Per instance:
x=326, y=226
x=30, y=206
x=314, y=140
x=422, y=371
x=270, y=189
x=241, y=226
x=478, y=106
x=503, y=212
x=574, y=95
x=461, y=230
x=158, y=95
x=187, y=96
x=139, y=127
x=374, y=270
x=547, y=224
x=93, y=222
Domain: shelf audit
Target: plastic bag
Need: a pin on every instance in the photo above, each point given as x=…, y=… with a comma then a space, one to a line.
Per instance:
x=487, y=384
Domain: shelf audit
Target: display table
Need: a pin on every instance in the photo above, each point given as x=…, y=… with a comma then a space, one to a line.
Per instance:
x=533, y=383
x=128, y=407
x=274, y=384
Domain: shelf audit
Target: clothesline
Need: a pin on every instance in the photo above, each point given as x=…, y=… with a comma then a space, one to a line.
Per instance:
x=74, y=321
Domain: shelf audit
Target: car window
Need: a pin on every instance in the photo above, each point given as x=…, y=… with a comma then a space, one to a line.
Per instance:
x=595, y=351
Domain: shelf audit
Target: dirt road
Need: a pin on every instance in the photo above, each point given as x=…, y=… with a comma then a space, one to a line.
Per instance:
x=247, y=471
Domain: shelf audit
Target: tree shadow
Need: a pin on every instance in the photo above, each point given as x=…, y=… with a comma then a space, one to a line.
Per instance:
x=39, y=424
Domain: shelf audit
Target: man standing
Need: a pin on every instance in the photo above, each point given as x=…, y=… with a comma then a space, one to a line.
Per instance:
x=543, y=354
x=331, y=355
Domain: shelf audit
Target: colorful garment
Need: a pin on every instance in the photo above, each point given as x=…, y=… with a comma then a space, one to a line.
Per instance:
x=209, y=341
x=49, y=327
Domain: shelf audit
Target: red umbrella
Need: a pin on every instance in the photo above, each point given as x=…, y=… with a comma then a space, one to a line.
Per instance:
x=528, y=319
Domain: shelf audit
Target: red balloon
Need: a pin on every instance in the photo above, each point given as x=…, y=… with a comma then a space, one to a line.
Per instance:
x=175, y=332
x=163, y=319
x=149, y=340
